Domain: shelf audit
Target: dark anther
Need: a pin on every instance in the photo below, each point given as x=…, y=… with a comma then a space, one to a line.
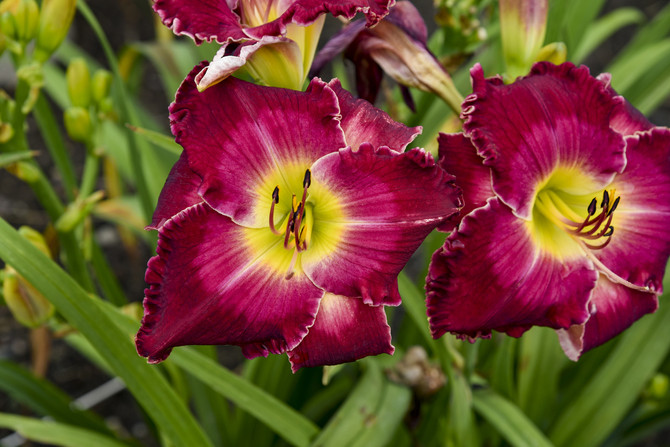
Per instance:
x=275, y=194
x=307, y=180
x=592, y=206
x=606, y=200
x=609, y=231
x=614, y=205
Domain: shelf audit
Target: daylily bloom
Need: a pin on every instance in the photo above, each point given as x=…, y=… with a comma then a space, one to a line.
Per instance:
x=285, y=223
x=274, y=39
x=567, y=198
x=397, y=46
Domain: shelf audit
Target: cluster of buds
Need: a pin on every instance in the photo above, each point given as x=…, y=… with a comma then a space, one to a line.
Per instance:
x=417, y=372
x=89, y=98
x=22, y=21
x=28, y=306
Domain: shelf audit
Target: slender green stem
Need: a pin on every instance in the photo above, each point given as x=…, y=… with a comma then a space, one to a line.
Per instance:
x=109, y=284
x=127, y=112
x=90, y=175
x=54, y=142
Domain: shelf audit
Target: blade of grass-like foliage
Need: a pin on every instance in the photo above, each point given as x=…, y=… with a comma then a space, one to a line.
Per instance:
x=578, y=19
x=393, y=406
x=161, y=140
x=173, y=60
x=147, y=196
x=45, y=399
x=54, y=142
x=461, y=420
x=601, y=29
x=657, y=29
x=84, y=313
x=55, y=433
x=508, y=420
x=649, y=95
x=626, y=72
x=360, y=412
x=284, y=420
x=540, y=363
x=605, y=400
x=13, y=157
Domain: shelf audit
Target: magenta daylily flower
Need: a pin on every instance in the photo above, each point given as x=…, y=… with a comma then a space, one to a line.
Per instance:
x=396, y=46
x=567, y=199
x=275, y=39
x=284, y=224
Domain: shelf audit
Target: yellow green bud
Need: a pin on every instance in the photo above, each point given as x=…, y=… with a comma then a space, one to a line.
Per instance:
x=522, y=27
x=35, y=237
x=6, y=132
x=658, y=387
x=78, y=123
x=100, y=85
x=8, y=25
x=55, y=20
x=28, y=305
x=26, y=19
x=27, y=172
x=79, y=83
x=555, y=52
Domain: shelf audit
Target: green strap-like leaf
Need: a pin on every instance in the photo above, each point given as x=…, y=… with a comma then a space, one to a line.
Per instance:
x=55, y=433
x=44, y=398
x=606, y=399
x=601, y=29
x=508, y=420
x=284, y=420
x=85, y=314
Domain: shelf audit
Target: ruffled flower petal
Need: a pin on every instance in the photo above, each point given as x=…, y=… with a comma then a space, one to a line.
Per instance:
x=364, y=123
x=210, y=284
x=391, y=202
x=179, y=192
x=201, y=20
x=614, y=308
x=345, y=330
x=556, y=117
x=226, y=63
x=490, y=275
x=244, y=139
x=625, y=119
x=640, y=245
x=459, y=158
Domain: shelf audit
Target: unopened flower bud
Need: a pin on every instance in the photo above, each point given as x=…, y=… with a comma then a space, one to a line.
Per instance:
x=8, y=25
x=522, y=26
x=100, y=85
x=35, y=237
x=26, y=19
x=555, y=52
x=55, y=20
x=28, y=305
x=27, y=172
x=6, y=132
x=79, y=83
x=78, y=123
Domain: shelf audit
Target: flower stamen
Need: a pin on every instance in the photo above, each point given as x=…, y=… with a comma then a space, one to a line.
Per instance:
x=592, y=228
x=275, y=200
